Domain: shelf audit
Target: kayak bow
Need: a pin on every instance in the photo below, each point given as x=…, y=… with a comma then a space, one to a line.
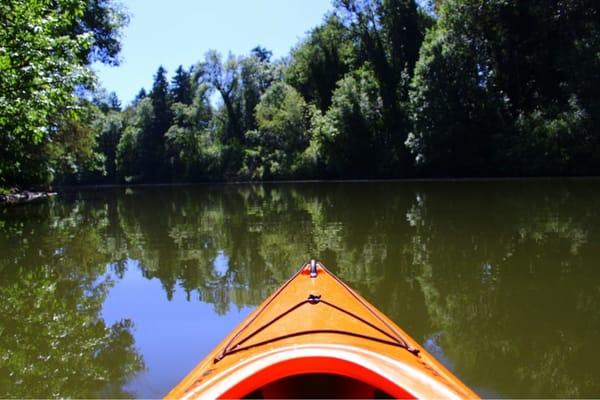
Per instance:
x=316, y=337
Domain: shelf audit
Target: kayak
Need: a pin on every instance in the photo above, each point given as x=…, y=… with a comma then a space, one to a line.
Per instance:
x=315, y=337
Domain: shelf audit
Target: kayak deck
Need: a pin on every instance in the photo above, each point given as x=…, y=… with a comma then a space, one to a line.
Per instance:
x=316, y=337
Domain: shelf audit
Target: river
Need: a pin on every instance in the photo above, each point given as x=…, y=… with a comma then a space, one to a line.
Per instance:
x=119, y=292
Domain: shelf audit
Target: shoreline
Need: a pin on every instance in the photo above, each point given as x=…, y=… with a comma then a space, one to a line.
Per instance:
x=24, y=196
x=308, y=181
x=16, y=196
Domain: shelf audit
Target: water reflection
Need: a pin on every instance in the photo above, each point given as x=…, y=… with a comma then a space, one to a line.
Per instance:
x=53, y=341
x=498, y=277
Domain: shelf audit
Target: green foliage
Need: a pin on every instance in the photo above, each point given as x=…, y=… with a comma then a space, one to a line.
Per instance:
x=181, y=87
x=224, y=77
x=455, y=117
x=314, y=162
x=110, y=128
x=44, y=49
x=240, y=81
x=554, y=143
x=498, y=91
x=356, y=145
x=102, y=21
x=191, y=153
x=280, y=137
x=320, y=61
x=131, y=145
x=381, y=89
x=127, y=158
x=257, y=73
x=152, y=140
x=389, y=34
x=71, y=154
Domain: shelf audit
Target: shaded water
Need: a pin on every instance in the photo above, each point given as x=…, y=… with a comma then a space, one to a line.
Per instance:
x=120, y=292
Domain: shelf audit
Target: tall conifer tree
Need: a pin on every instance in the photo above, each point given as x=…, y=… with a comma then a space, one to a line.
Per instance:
x=153, y=139
x=181, y=87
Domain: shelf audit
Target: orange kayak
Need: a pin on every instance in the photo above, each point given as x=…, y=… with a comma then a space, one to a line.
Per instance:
x=316, y=337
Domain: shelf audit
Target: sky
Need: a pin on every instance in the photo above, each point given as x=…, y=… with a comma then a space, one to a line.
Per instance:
x=179, y=32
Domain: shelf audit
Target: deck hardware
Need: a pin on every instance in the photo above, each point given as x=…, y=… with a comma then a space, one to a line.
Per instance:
x=314, y=298
x=313, y=268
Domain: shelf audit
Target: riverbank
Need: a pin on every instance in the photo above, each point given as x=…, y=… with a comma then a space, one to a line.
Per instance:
x=63, y=188
x=15, y=196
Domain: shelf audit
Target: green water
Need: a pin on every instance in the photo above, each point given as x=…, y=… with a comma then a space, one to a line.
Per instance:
x=120, y=292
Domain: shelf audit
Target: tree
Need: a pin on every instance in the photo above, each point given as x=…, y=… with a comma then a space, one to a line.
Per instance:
x=127, y=159
x=113, y=102
x=256, y=75
x=151, y=139
x=458, y=122
x=225, y=78
x=240, y=81
x=44, y=50
x=493, y=95
x=111, y=129
x=281, y=136
x=160, y=103
x=132, y=150
x=72, y=155
x=181, y=87
x=102, y=20
x=106, y=101
x=389, y=34
x=262, y=54
x=141, y=95
x=320, y=61
x=191, y=148
x=357, y=145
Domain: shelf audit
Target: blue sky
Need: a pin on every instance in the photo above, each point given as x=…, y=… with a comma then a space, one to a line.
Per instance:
x=175, y=32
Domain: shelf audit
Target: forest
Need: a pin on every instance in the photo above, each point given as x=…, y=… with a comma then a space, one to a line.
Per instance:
x=380, y=89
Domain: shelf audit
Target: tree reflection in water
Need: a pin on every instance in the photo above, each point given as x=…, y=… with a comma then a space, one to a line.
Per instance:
x=53, y=341
x=498, y=276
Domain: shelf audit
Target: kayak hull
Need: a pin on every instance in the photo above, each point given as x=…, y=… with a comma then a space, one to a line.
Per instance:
x=316, y=337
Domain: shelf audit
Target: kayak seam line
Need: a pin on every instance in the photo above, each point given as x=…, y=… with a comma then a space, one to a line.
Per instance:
x=264, y=326
x=224, y=352
x=236, y=347
x=315, y=331
x=364, y=321
x=399, y=337
x=230, y=348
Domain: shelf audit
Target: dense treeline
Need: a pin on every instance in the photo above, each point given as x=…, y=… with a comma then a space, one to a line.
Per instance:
x=381, y=89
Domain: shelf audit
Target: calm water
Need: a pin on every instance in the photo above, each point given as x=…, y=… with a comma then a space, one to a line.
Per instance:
x=120, y=292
